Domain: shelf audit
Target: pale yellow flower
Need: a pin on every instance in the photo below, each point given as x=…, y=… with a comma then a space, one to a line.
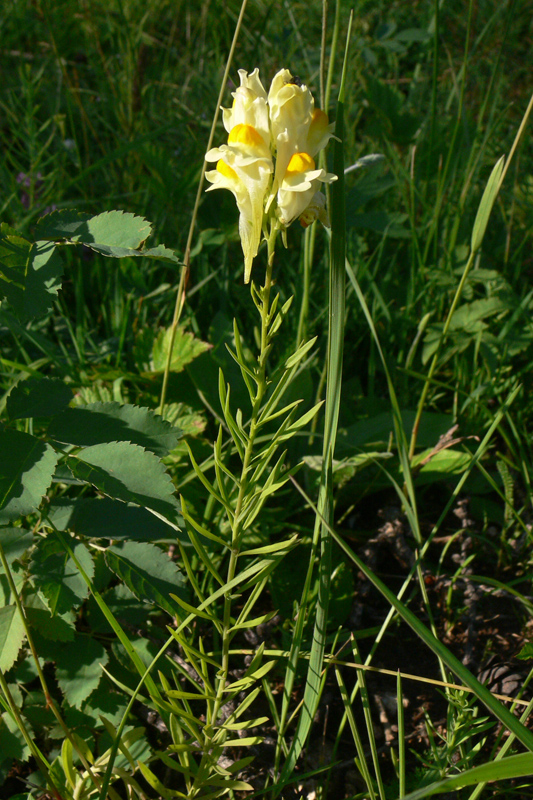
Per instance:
x=244, y=164
x=249, y=106
x=299, y=131
x=315, y=210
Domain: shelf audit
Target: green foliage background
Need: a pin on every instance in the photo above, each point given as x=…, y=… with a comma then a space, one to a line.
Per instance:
x=108, y=106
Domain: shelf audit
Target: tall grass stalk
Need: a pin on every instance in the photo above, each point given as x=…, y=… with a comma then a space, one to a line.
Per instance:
x=184, y=273
x=478, y=232
x=333, y=396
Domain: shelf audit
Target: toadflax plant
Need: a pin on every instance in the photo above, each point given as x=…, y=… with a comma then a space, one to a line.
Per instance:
x=268, y=164
x=86, y=500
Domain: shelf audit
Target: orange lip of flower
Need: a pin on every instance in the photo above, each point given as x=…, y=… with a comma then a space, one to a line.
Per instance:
x=300, y=162
x=245, y=134
x=226, y=170
x=320, y=119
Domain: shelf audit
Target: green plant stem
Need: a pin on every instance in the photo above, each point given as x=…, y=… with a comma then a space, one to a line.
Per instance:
x=48, y=697
x=41, y=763
x=237, y=529
x=460, y=288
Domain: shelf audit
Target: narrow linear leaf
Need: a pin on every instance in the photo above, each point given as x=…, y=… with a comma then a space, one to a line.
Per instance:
x=299, y=354
x=246, y=741
x=336, y=314
x=245, y=723
x=485, y=207
x=517, y=766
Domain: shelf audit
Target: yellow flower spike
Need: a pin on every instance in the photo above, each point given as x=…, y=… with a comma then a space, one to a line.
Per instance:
x=284, y=126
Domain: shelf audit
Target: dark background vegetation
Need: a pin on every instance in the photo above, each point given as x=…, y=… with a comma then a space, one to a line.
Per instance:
x=108, y=105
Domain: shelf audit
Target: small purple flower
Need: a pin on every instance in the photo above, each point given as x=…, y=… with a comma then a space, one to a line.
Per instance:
x=26, y=181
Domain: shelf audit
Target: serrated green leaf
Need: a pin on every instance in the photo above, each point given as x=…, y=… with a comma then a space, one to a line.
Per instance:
x=29, y=275
x=485, y=207
x=26, y=469
x=15, y=542
x=12, y=743
x=148, y=573
x=189, y=421
x=105, y=518
x=11, y=636
x=526, y=653
x=79, y=668
x=127, y=472
x=65, y=223
x=113, y=228
x=186, y=348
x=99, y=423
x=55, y=574
x=116, y=234
x=57, y=628
x=161, y=252
x=105, y=703
x=38, y=397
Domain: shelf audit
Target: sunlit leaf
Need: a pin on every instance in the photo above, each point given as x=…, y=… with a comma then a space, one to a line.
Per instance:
x=127, y=472
x=11, y=636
